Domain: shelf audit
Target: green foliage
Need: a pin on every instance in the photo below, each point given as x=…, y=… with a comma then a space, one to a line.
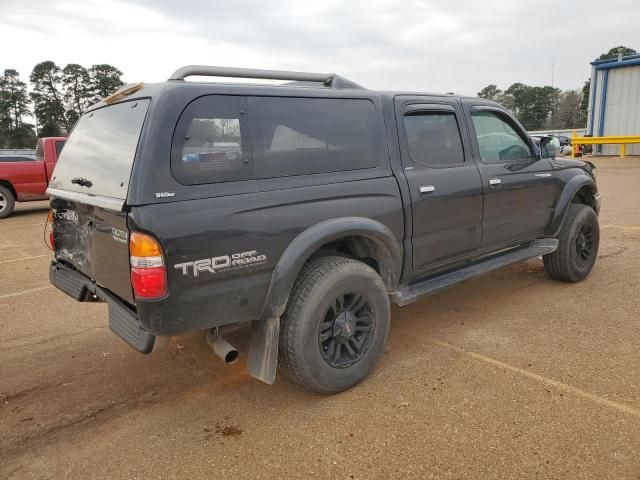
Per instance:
x=22, y=137
x=569, y=113
x=58, y=95
x=47, y=95
x=61, y=95
x=104, y=80
x=539, y=107
x=490, y=92
x=14, y=107
x=13, y=93
x=613, y=53
x=76, y=84
x=584, y=103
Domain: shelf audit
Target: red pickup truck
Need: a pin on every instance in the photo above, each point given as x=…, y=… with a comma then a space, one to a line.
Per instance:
x=24, y=178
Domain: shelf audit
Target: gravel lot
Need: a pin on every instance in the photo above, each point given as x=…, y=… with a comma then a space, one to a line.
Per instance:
x=511, y=375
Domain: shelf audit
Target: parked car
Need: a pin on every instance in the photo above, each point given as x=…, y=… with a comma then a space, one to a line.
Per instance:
x=301, y=211
x=24, y=178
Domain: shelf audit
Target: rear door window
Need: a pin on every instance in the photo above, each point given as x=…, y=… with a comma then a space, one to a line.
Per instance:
x=210, y=143
x=299, y=136
x=433, y=138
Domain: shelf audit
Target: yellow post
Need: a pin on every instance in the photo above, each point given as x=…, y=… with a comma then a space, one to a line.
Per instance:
x=573, y=144
x=622, y=150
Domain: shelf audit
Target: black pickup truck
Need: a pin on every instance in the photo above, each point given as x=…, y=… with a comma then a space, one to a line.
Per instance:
x=301, y=210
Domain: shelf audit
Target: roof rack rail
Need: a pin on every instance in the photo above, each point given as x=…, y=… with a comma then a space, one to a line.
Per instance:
x=330, y=80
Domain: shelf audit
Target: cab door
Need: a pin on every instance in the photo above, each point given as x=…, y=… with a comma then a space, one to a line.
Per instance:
x=519, y=187
x=444, y=183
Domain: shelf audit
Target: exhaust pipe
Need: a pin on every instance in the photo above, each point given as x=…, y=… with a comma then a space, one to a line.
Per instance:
x=227, y=352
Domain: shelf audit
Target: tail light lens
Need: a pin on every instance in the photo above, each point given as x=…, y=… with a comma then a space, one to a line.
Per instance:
x=49, y=237
x=148, y=272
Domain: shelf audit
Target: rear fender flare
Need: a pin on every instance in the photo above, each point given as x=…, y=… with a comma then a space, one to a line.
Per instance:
x=387, y=252
x=566, y=197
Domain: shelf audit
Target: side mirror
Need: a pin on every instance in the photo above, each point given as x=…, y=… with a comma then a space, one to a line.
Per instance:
x=536, y=151
x=547, y=149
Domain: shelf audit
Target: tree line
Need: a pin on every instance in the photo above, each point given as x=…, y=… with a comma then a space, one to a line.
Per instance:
x=542, y=108
x=548, y=108
x=58, y=96
x=56, y=99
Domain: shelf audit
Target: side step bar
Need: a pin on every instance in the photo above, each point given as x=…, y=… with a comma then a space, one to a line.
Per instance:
x=410, y=293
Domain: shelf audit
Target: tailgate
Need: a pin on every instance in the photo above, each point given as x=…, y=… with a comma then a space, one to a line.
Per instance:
x=95, y=241
x=89, y=190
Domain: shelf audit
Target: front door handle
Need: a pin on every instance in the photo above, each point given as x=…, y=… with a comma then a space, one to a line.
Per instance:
x=427, y=189
x=495, y=182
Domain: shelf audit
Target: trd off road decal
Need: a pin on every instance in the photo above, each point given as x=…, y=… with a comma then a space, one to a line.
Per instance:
x=223, y=263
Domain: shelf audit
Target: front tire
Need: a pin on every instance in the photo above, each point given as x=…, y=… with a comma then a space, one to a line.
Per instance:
x=578, y=248
x=335, y=326
x=7, y=202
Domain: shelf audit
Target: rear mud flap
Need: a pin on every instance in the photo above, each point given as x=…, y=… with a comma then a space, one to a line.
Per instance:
x=263, y=349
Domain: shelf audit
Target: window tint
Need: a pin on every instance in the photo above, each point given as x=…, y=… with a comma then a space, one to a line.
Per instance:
x=40, y=150
x=59, y=146
x=434, y=138
x=21, y=158
x=209, y=144
x=497, y=140
x=298, y=136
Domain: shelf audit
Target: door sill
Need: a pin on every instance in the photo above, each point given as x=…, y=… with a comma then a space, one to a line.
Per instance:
x=407, y=294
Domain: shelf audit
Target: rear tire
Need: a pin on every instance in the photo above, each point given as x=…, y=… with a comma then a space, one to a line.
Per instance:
x=578, y=249
x=7, y=202
x=335, y=326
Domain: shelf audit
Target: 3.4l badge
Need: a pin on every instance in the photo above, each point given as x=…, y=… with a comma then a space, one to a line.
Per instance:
x=222, y=263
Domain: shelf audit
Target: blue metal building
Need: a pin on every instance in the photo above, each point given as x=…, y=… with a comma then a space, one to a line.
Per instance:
x=614, y=101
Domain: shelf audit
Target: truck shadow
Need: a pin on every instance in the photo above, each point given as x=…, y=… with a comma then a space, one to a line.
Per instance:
x=98, y=378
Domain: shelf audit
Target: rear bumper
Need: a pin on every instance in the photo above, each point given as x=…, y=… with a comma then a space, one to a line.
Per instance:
x=123, y=320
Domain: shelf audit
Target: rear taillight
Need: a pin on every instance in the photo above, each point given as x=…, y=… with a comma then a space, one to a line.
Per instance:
x=148, y=272
x=50, y=239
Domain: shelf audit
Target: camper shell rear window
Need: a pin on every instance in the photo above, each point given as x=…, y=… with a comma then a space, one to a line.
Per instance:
x=97, y=158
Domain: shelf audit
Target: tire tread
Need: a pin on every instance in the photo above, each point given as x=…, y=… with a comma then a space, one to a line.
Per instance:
x=558, y=264
x=313, y=272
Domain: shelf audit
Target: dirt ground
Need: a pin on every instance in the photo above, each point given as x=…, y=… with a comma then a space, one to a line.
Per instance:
x=512, y=375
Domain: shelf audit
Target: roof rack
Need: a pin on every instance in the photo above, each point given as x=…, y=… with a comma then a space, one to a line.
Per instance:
x=330, y=80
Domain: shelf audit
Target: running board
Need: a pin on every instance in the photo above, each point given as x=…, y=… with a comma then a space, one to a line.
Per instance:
x=410, y=293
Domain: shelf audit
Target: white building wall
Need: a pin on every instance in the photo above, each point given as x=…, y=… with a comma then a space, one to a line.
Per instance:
x=622, y=106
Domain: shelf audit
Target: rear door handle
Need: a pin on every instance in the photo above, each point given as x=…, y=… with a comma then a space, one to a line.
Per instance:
x=427, y=189
x=495, y=182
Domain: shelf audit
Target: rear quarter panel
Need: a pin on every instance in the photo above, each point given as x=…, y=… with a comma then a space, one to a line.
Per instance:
x=264, y=222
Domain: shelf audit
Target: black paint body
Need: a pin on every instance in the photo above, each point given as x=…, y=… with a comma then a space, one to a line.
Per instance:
x=377, y=214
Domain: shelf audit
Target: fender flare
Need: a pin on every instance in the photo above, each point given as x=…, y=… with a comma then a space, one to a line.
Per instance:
x=388, y=253
x=566, y=197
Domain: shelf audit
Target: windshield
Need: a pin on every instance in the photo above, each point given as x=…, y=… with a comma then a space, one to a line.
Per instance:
x=98, y=156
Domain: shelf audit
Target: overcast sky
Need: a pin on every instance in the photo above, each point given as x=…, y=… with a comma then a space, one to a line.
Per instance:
x=425, y=45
